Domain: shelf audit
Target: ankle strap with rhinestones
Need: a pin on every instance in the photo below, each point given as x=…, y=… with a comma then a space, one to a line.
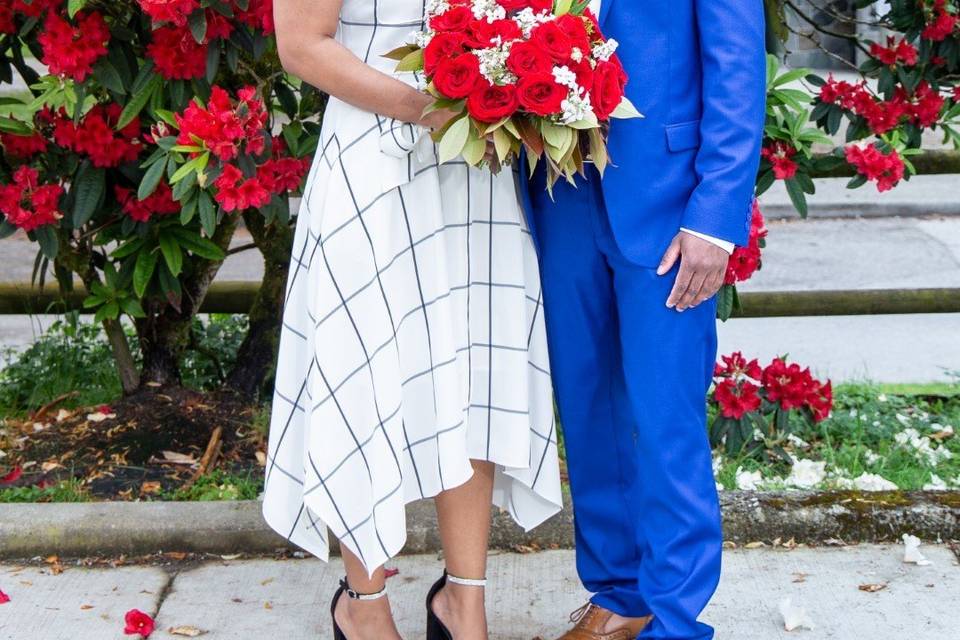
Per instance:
x=362, y=596
x=466, y=582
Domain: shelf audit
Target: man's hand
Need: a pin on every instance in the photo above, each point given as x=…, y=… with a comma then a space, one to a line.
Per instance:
x=702, y=267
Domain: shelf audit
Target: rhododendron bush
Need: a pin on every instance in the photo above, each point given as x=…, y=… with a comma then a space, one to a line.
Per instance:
x=157, y=126
x=758, y=408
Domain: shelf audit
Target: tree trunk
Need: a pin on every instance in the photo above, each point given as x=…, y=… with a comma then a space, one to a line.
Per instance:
x=255, y=368
x=164, y=334
x=122, y=357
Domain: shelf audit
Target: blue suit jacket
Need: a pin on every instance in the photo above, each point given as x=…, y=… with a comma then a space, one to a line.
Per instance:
x=697, y=73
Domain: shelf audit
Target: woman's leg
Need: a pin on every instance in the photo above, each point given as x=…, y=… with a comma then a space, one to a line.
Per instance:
x=464, y=517
x=364, y=619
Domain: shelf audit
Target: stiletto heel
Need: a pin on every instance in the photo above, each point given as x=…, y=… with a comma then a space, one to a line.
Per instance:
x=350, y=593
x=436, y=630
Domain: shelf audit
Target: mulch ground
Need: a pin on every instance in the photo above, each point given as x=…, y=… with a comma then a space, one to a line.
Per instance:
x=143, y=446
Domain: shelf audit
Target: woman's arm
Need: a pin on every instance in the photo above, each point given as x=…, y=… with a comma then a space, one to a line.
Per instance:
x=308, y=49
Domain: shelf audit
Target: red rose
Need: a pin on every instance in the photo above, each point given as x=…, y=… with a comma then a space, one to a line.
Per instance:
x=513, y=5
x=453, y=19
x=492, y=103
x=608, y=83
x=526, y=58
x=540, y=5
x=442, y=46
x=551, y=39
x=595, y=34
x=584, y=73
x=539, y=93
x=481, y=34
x=456, y=77
x=575, y=29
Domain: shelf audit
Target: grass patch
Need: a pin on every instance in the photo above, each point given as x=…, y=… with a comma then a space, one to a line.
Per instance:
x=64, y=491
x=220, y=485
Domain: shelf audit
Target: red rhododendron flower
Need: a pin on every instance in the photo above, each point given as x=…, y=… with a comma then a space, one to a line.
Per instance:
x=235, y=192
x=780, y=155
x=177, y=55
x=456, y=77
x=941, y=27
x=745, y=261
x=258, y=15
x=442, y=46
x=7, y=25
x=24, y=147
x=526, y=58
x=736, y=366
x=609, y=82
x=97, y=137
x=281, y=172
x=539, y=93
x=820, y=400
x=222, y=126
x=159, y=203
x=12, y=476
x=929, y=103
x=175, y=11
x=886, y=169
x=786, y=384
x=71, y=51
x=895, y=52
x=35, y=8
x=492, y=103
x=138, y=622
x=736, y=399
x=26, y=203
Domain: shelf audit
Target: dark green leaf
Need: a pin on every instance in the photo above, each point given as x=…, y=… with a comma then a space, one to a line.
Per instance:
x=88, y=190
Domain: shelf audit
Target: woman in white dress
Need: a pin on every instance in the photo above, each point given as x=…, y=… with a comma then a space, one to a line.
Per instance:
x=413, y=359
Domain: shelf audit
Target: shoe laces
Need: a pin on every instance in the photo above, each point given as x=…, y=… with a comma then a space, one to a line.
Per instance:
x=577, y=616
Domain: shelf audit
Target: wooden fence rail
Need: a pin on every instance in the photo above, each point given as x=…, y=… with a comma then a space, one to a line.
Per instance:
x=237, y=296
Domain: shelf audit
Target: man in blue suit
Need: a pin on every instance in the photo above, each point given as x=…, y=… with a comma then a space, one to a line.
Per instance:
x=631, y=266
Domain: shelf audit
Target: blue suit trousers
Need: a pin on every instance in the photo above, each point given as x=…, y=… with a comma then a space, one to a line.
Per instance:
x=631, y=377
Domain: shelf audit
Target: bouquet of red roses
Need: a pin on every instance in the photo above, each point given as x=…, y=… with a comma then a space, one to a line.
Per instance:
x=537, y=74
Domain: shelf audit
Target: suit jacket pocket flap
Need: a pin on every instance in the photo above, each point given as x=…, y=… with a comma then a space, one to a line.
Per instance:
x=683, y=135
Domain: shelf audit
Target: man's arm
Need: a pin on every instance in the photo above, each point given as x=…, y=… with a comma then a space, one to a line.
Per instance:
x=732, y=52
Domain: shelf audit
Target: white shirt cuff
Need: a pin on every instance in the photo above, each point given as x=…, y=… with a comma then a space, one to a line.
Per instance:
x=723, y=244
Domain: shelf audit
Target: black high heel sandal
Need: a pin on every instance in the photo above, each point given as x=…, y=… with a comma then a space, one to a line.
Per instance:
x=436, y=630
x=350, y=593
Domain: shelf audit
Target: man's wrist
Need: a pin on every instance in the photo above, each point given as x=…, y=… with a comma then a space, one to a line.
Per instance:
x=726, y=245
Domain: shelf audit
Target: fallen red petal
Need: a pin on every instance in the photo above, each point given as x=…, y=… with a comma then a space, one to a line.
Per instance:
x=138, y=622
x=389, y=573
x=13, y=476
x=4, y=598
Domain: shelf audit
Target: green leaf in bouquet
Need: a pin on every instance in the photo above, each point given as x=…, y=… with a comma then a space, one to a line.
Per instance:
x=511, y=126
x=589, y=122
x=456, y=106
x=503, y=143
x=474, y=150
x=598, y=150
x=454, y=139
x=400, y=52
x=562, y=7
x=554, y=135
x=413, y=61
x=626, y=110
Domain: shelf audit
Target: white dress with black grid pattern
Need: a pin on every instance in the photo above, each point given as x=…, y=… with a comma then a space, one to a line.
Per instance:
x=413, y=334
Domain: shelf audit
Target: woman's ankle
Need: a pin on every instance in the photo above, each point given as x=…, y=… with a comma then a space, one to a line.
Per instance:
x=365, y=619
x=462, y=610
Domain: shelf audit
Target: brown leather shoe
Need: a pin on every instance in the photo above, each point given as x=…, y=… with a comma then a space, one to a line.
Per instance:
x=591, y=621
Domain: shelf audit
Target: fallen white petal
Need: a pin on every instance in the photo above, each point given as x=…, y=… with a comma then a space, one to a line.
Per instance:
x=873, y=482
x=911, y=551
x=794, y=616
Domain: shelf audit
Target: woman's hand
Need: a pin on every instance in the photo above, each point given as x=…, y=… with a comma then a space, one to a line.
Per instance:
x=435, y=119
x=308, y=49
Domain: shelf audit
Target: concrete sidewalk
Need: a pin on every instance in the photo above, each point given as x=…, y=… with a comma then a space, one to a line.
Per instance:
x=530, y=596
